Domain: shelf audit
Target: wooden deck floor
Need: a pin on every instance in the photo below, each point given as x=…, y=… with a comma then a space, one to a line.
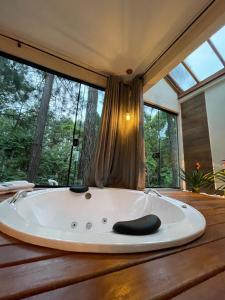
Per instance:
x=193, y=271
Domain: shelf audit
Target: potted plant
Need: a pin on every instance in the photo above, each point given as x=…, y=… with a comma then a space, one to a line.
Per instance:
x=197, y=178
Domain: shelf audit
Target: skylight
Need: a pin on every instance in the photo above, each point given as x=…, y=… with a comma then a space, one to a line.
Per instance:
x=218, y=39
x=182, y=77
x=202, y=63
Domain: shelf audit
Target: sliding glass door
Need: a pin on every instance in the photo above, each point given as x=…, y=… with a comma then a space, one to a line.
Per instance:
x=48, y=125
x=161, y=148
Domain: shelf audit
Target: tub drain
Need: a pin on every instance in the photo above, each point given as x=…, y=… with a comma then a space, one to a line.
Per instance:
x=88, y=225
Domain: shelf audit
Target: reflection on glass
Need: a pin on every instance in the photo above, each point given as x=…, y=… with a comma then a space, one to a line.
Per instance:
x=161, y=148
x=218, y=40
x=203, y=62
x=182, y=77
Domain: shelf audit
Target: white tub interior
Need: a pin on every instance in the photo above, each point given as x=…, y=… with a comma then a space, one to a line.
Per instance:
x=59, y=218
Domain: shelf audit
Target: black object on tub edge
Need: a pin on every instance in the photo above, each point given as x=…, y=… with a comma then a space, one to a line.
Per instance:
x=79, y=188
x=142, y=226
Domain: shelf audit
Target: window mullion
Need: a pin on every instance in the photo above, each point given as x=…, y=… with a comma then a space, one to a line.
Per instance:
x=216, y=52
x=190, y=71
x=173, y=84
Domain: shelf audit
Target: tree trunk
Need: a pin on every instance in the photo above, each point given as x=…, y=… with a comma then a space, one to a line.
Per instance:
x=173, y=150
x=90, y=135
x=40, y=128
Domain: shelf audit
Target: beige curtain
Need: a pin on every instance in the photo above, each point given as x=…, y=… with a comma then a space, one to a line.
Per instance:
x=119, y=159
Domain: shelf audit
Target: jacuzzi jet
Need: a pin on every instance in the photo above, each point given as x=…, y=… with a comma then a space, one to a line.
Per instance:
x=104, y=220
x=88, y=196
x=74, y=224
x=88, y=225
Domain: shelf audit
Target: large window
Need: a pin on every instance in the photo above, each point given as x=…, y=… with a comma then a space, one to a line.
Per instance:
x=161, y=148
x=49, y=125
x=204, y=63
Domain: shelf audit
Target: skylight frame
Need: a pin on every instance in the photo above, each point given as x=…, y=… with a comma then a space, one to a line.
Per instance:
x=199, y=83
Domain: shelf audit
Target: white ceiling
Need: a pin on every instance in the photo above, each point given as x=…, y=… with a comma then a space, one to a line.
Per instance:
x=107, y=35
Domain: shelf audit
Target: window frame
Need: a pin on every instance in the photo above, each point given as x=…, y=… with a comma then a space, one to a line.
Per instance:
x=199, y=83
x=48, y=70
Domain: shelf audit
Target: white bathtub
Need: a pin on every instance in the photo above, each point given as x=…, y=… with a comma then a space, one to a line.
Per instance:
x=61, y=219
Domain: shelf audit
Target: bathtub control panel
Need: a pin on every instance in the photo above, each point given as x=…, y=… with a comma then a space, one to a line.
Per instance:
x=88, y=225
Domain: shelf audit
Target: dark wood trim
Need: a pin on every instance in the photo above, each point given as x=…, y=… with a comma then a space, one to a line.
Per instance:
x=172, y=84
x=196, y=141
x=190, y=71
x=203, y=83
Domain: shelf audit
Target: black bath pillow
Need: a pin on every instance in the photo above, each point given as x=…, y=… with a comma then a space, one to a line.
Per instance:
x=79, y=188
x=142, y=226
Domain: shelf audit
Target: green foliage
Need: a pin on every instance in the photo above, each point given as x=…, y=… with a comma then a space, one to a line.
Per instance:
x=20, y=93
x=197, y=179
x=161, y=159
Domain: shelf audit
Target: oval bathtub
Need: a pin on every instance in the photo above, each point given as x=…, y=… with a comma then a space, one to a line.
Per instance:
x=61, y=219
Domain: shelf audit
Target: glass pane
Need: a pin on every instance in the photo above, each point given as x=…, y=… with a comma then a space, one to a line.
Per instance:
x=218, y=40
x=151, y=134
x=169, y=164
x=203, y=62
x=49, y=125
x=58, y=134
x=161, y=148
x=19, y=90
x=182, y=77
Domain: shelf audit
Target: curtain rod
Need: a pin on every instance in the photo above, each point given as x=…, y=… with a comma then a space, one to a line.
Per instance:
x=20, y=43
x=179, y=36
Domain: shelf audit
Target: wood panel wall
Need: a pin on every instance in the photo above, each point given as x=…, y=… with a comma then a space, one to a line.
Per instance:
x=196, y=133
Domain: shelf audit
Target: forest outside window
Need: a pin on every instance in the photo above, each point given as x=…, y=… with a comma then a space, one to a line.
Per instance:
x=161, y=148
x=49, y=125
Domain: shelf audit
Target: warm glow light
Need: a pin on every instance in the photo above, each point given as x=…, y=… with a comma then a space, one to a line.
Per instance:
x=127, y=116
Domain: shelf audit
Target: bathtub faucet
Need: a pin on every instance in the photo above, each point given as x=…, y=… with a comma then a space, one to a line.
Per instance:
x=18, y=195
x=150, y=190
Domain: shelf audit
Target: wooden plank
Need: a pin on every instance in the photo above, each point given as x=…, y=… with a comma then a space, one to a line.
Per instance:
x=215, y=219
x=57, y=272
x=7, y=240
x=158, y=279
x=23, y=253
x=18, y=254
x=25, y=277
x=209, y=211
x=211, y=289
x=195, y=133
x=193, y=197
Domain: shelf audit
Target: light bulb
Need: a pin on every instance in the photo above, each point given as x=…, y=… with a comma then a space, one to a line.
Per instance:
x=128, y=116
